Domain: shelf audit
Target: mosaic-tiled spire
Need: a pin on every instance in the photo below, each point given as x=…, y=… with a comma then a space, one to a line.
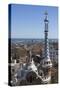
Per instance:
x=46, y=36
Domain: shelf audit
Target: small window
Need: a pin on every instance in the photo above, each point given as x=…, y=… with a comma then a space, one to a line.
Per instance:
x=41, y=74
x=49, y=62
x=46, y=62
x=13, y=70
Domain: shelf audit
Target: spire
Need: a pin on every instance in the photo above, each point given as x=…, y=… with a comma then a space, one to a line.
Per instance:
x=46, y=22
x=46, y=17
x=46, y=61
x=46, y=36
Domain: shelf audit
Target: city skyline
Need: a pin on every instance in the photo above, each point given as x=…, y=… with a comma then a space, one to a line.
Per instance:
x=27, y=21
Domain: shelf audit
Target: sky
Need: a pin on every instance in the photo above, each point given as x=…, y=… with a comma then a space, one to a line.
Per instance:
x=27, y=21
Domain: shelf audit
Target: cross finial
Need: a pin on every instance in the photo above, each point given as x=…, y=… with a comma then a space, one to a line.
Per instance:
x=46, y=16
x=46, y=13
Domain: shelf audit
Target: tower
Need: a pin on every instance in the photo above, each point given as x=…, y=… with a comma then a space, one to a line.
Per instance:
x=46, y=37
x=46, y=62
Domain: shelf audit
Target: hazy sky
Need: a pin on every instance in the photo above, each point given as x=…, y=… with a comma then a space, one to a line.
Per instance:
x=27, y=21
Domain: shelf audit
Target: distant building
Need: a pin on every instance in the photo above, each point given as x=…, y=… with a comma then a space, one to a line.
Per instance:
x=54, y=52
